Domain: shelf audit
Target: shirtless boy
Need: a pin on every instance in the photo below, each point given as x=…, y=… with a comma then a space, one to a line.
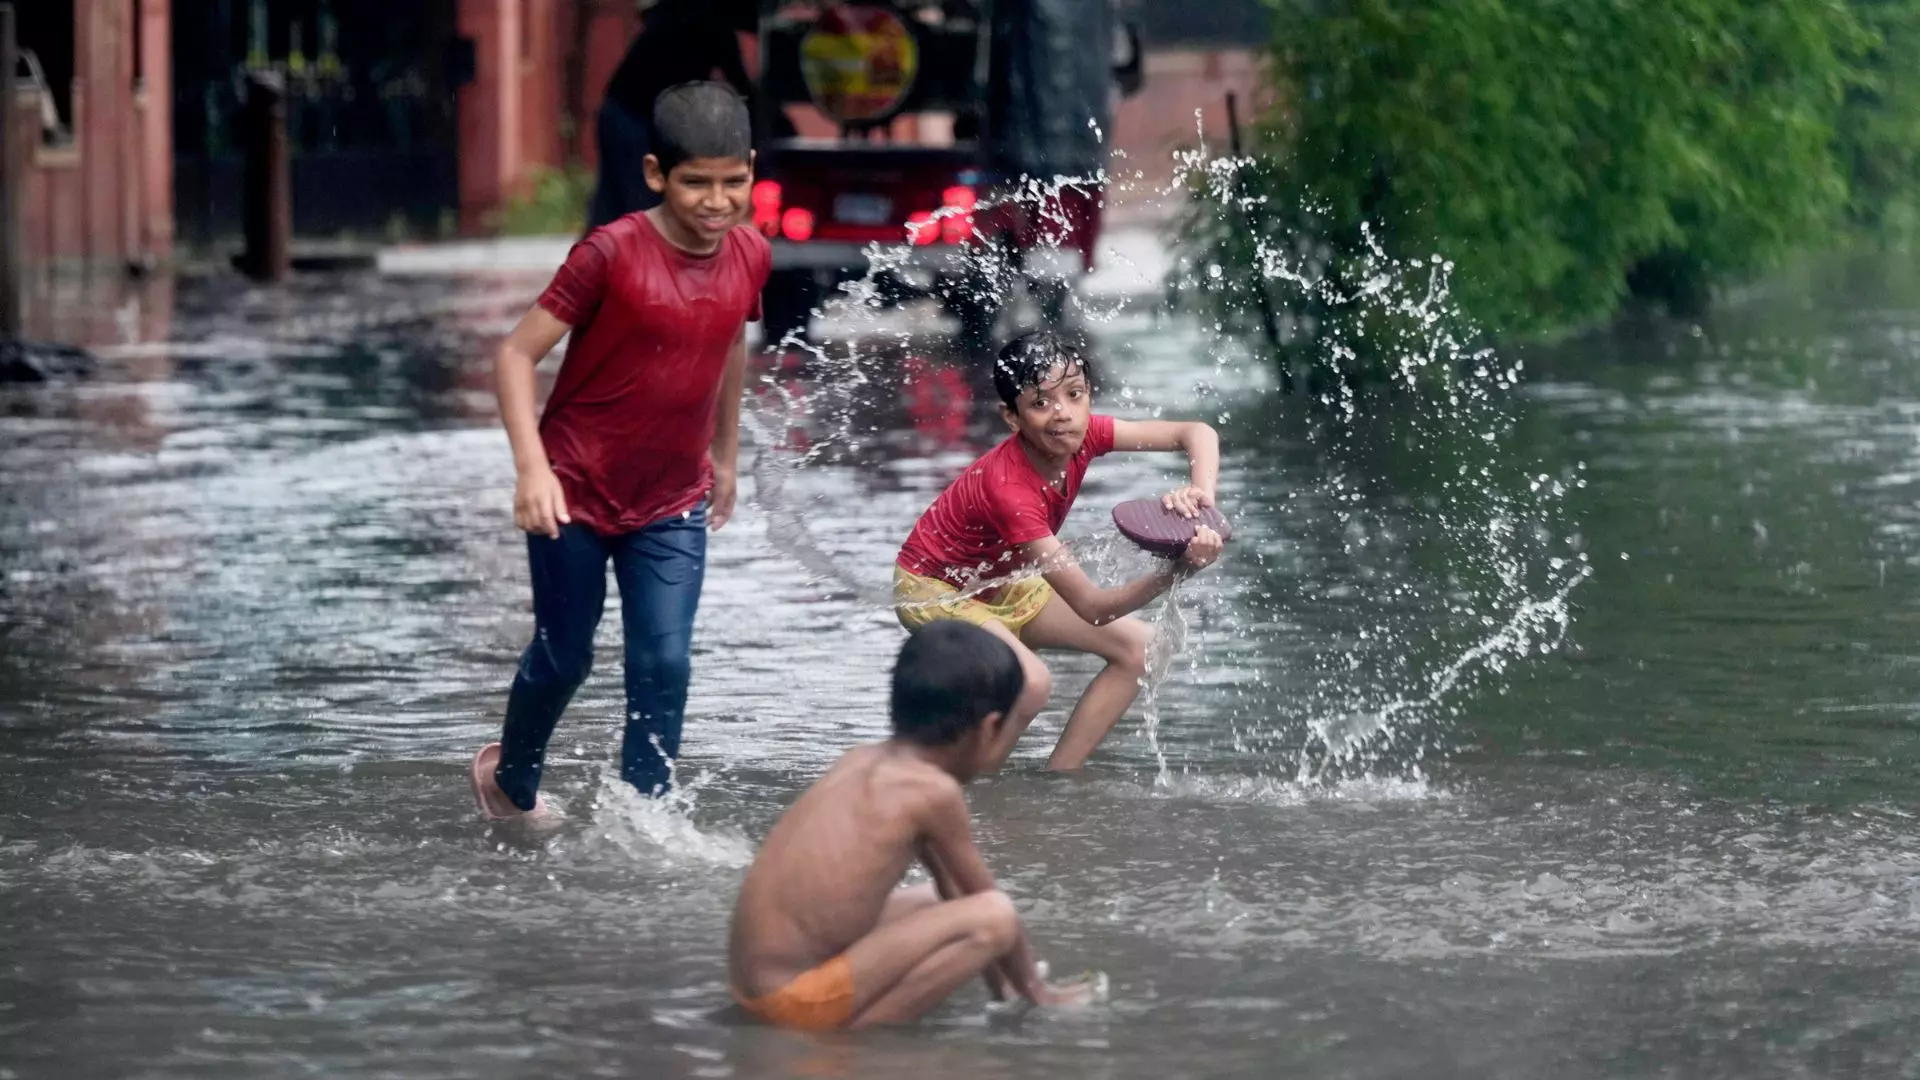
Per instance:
x=823, y=938
x=1001, y=516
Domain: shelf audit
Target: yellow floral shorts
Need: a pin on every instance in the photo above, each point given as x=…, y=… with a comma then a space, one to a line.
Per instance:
x=918, y=601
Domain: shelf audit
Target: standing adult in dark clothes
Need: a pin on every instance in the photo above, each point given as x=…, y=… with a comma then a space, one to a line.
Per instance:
x=680, y=41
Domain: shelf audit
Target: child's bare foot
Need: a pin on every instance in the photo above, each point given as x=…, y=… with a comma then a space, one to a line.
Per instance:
x=496, y=807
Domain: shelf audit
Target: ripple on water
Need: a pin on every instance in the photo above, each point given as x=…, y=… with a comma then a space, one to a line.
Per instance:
x=260, y=606
x=1402, y=871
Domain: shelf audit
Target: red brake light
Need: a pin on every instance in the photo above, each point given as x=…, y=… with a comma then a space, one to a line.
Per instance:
x=956, y=227
x=766, y=207
x=797, y=223
x=921, y=229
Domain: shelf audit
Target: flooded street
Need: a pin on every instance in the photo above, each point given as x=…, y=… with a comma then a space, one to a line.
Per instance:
x=261, y=597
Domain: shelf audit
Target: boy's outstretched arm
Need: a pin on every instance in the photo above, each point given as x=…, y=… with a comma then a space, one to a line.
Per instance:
x=725, y=448
x=1100, y=606
x=947, y=847
x=945, y=888
x=538, y=504
x=1201, y=444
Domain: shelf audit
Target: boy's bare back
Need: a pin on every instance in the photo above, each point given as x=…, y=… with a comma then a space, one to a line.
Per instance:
x=825, y=872
x=822, y=939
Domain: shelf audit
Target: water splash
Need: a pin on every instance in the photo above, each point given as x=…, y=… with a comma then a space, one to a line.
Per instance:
x=1511, y=557
x=1168, y=645
x=656, y=829
x=1372, y=703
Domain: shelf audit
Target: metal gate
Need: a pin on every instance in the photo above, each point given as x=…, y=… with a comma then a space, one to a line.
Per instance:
x=371, y=113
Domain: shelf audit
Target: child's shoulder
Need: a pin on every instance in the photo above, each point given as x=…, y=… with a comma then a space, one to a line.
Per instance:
x=892, y=767
x=608, y=239
x=751, y=237
x=891, y=791
x=752, y=244
x=625, y=229
x=919, y=787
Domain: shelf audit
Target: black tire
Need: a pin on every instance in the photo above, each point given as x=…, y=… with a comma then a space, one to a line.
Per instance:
x=787, y=303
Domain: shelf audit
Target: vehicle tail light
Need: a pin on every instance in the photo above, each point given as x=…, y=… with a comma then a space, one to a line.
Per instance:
x=957, y=225
x=766, y=206
x=797, y=224
x=921, y=229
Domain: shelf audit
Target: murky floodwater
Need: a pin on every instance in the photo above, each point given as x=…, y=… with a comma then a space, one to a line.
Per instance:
x=260, y=598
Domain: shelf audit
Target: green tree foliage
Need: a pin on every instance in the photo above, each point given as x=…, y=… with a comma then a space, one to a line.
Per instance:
x=1880, y=127
x=554, y=202
x=1562, y=154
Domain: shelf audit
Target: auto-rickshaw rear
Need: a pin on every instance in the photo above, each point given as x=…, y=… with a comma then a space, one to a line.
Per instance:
x=972, y=131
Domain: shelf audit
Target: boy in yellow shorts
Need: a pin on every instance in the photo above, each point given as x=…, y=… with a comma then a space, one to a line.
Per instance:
x=986, y=551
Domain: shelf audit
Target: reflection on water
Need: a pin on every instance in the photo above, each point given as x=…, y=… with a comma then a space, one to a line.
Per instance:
x=259, y=597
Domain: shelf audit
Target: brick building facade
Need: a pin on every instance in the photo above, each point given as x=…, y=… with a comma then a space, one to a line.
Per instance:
x=92, y=132
x=415, y=120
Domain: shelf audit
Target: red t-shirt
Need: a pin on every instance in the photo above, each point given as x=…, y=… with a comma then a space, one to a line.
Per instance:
x=974, y=528
x=632, y=412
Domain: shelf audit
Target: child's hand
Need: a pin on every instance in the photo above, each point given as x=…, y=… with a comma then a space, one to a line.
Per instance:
x=1078, y=993
x=1187, y=501
x=1073, y=995
x=539, y=506
x=1201, y=550
x=720, y=499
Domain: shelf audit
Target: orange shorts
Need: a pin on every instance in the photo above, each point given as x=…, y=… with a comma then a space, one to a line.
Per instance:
x=818, y=1000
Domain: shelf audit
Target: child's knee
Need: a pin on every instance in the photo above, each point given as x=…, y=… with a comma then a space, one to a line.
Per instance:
x=1131, y=654
x=565, y=665
x=660, y=661
x=996, y=925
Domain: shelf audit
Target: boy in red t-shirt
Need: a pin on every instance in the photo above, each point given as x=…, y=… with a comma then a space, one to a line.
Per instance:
x=1000, y=518
x=634, y=458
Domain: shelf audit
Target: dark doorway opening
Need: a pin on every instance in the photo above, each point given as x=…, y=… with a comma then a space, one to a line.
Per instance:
x=44, y=31
x=371, y=114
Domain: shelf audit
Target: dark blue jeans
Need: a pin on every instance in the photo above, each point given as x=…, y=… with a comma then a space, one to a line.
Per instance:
x=659, y=570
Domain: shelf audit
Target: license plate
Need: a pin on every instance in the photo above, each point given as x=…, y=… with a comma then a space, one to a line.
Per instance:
x=862, y=209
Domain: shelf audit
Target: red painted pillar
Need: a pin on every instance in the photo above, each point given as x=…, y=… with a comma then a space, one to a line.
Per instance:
x=156, y=135
x=542, y=99
x=489, y=109
x=130, y=129
x=12, y=179
x=110, y=135
x=93, y=128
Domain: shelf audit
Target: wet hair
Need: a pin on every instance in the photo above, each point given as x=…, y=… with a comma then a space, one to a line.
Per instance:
x=1027, y=359
x=700, y=120
x=949, y=677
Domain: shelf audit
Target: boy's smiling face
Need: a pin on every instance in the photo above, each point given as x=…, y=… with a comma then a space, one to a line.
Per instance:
x=1052, y=417
x=705, y=197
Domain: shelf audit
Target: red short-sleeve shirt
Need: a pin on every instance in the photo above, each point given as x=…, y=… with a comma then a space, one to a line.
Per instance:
x=631, y=415
x=976, y=526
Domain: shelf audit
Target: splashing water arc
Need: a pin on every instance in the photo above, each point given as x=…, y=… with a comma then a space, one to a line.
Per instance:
x=1370, y=706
